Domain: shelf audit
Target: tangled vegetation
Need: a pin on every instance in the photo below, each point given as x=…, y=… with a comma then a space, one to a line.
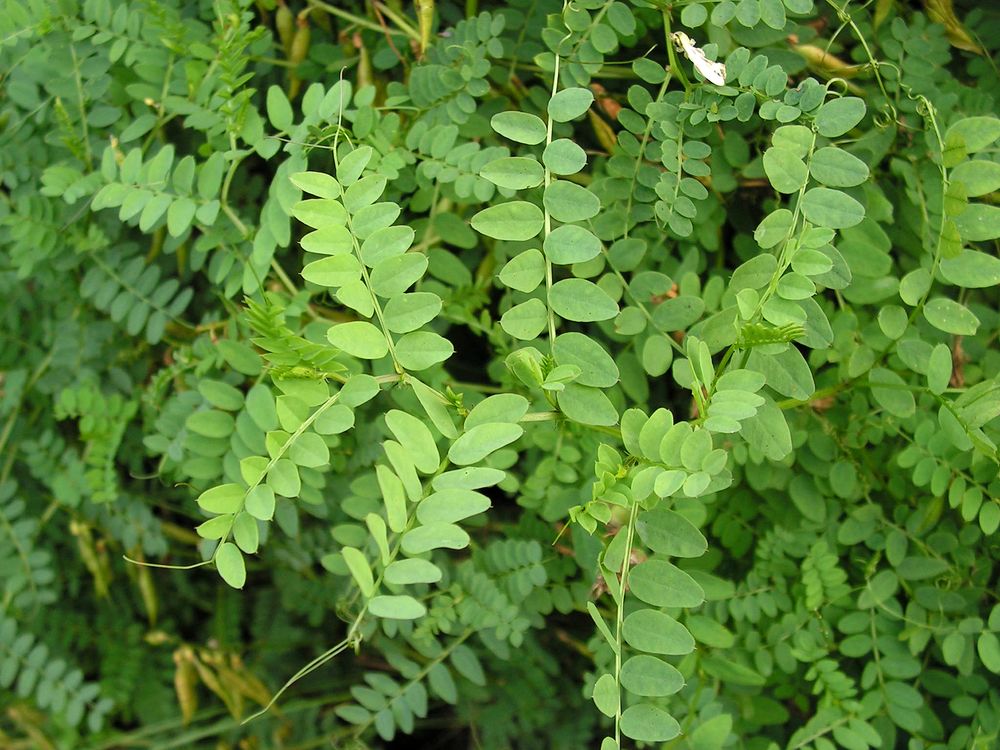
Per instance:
x=537, y=374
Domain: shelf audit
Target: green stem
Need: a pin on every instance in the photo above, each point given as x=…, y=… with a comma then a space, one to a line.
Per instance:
x=360, y=21
x=88, y=154
x=675, y=66
x=548, y=220
x=620, y=616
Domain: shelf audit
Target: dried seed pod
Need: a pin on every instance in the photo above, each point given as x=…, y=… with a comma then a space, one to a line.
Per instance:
x=604, y=133
x=300, y=42
x=943, y=12
x=284, y=21
x=425, y=19
x=300, y=48
x=186, y=683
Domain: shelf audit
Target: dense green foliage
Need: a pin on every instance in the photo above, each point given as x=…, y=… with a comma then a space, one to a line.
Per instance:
x=602, y=374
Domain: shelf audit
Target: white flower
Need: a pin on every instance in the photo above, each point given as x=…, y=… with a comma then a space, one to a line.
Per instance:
x=714, y=72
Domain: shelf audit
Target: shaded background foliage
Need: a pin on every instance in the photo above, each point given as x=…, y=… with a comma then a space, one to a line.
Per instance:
x=295, y=293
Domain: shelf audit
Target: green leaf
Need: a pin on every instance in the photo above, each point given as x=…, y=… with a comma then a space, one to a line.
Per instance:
x=657, y=633
x=334, y=271
x=364, y=192
x=586, y=405
x=394, y=275
x=988, y=647
x=648, y=723
x=974, y=133
x=567, y=202
x=469, y=478
x=678, y=313
x=785, y=169
x=396, y=607
x=892, y=319
x=409, y=311
x=370, y=219
x=260, y=503
x=710, y=632
x=605, y=695
x=317, y=183
x=669, y=533
x=433, y=536
x=514, y=172
x=215, y=528
x=283, y=478
x=521, y=127
x=564, y=157
x=661, y=584
x=503, y=407
x=310, y=450
x=797, y=138
x=524, y=272
x=602, y=626
x=229, y=563
x=279, y=112
x=597, y=368
x=582, y=301
x=774, y=228
x=359, y=339
x=694, y=15
x=320, y=212
x=772, y=13
x=794, y=286
x=435, y=408
x=422, y=349
x=650, y=676
x=836, y=168
x=414, y=435
x=978, y=177
x=838, y=116
x=979, y=222
x=360, y=571
x=571, y=244
x=413, y=570
x=972, y=270
x=393, y=496
x=514, y=220
x=226, y=498
x=350, y=167
x=180, y=215
x=245, y=533
x=570, y=103
x=526, y=320
x=480, y=441
x=359, y=389
x=787, y=372
x=767, y=431
x=388, y=242
x=939, y=368
x=831, y=208
x=951, y=317
x=891, y=392
x=713, y=733
x=335, y=420
x=211, y=424
x=331, y=240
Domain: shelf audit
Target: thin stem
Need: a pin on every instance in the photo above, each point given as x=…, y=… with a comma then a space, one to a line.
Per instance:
x=675, y=66
x=620, y=616
x=358, y=20
x=88, y=154
x=548, y=221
